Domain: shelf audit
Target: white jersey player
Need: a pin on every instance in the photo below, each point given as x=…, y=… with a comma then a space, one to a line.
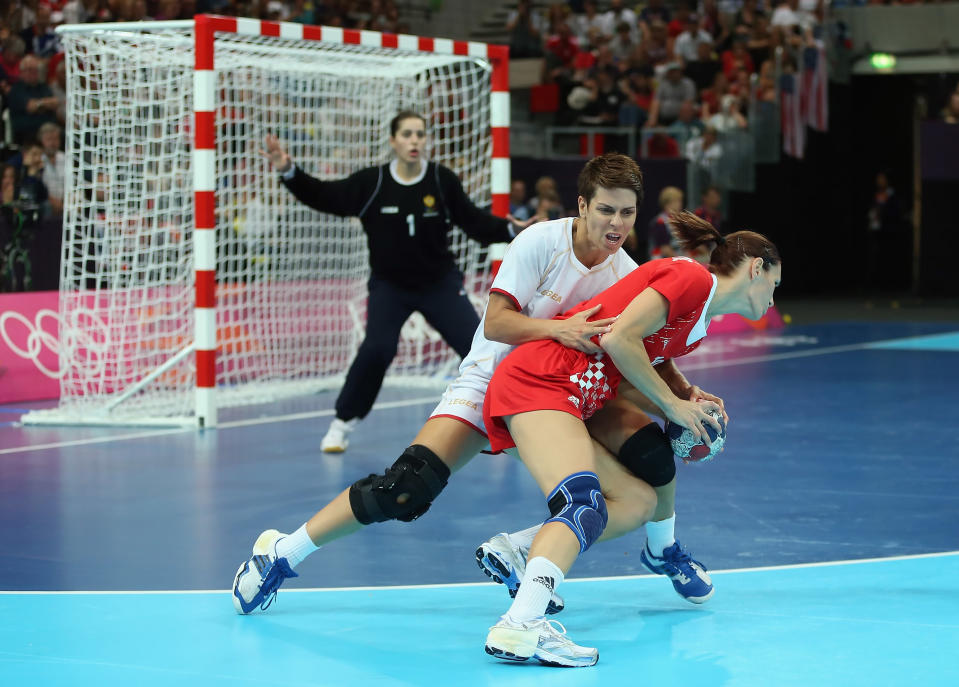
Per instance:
x=548, y=268
x=541, y=276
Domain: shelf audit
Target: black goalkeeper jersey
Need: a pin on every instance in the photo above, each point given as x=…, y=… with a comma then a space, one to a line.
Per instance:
x=407, y=226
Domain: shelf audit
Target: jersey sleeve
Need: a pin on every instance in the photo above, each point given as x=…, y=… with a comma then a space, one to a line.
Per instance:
x=523, y=266
x=478, y=224
x=684, y=283
x=344, y=197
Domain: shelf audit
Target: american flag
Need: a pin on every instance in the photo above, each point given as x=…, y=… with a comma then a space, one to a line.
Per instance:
x=793, y=124
x=814, y=99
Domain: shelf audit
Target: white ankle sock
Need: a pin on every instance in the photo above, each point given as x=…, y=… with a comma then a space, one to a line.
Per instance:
x=295, y=547
x=540, y=581
x=661, y=535
x=524, y=538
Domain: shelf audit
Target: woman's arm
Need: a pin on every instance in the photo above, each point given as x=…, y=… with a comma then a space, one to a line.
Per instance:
x=506, y=324
x=645, y=315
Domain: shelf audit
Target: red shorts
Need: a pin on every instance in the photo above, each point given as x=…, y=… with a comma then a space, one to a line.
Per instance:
x=544, y=375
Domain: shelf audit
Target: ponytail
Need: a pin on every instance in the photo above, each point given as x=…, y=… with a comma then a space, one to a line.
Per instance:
x=727, y=252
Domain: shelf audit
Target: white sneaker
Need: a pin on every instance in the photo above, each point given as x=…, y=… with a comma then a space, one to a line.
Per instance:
x=257, y=579
x=505, y=563
x=337, y=436
x=542, y=639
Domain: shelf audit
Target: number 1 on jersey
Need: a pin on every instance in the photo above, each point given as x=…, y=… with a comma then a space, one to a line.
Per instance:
x=411, y=224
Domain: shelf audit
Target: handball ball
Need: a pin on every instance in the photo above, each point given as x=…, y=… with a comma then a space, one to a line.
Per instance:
x=686, y=446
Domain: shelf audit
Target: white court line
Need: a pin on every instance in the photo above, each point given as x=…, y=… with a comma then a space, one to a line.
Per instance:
x=433, y=399
x=453, y=585
x=223, y=425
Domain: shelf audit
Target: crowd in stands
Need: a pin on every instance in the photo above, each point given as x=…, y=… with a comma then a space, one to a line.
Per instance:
x=688, y=71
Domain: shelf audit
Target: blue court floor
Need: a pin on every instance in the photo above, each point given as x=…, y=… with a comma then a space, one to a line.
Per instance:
x=830, y=524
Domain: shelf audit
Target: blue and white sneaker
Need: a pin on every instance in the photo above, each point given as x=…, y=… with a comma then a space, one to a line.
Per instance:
x=258, y=579
x=689, y=576
x=505, y=563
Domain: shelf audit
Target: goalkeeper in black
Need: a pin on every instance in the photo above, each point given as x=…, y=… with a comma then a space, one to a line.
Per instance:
x=407, y=208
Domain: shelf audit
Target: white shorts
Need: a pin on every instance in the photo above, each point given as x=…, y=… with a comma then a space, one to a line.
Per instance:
x=463, y=401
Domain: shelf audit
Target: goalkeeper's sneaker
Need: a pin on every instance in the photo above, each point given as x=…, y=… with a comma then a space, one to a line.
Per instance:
x=542, y=639
x=258, y=579
x=690, y=579
x=337, y=437
x=505, y=562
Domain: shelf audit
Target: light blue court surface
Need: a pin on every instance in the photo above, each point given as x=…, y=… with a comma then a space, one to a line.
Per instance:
x=937, y=342
x=842, y=446
x=868, y=623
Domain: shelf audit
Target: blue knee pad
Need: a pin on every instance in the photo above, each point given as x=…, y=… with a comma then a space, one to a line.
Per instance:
x=578, y=503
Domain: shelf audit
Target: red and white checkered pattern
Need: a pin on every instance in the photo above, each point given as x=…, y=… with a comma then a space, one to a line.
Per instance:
x=594, y=389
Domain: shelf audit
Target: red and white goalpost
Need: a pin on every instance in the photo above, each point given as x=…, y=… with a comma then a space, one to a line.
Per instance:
x=191, y=279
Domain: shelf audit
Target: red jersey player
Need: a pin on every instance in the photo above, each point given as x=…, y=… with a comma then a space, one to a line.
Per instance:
x=541, y=394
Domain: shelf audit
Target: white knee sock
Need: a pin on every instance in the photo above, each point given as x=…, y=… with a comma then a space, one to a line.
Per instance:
x=661, y=535
x=295, y=547
x=541, y=580
x=524, y=538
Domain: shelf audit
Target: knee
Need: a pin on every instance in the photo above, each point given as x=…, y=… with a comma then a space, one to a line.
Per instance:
x=578, y=503
x=404, y=492
x=647, y=454
x=377, y=351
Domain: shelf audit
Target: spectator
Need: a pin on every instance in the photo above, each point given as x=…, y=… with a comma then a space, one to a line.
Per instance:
x=678, y=23
x=58, y=87
x=703, y=153
x=563, y=46
x=785, y=14
x=54, y=165
x=622, y=45
x=657, y=49
x=758, y=43
x=32, y=103
x=729, y=117
x=525, y=29
x=950, y=114
x=590, y=26
x=39, y=39
x=704, y=68
x=605, y=99
x=687, y=43
x=687, y=125
x=738, y=58
x=654, y=12
x=544, y=186
x=661, y=146
x=33, y=192
x=662, y=243
x=549, y=205
x=746, y=17
x=709, y=209
x=673, y=91
x=711, y=96
x=619, y=14
x=639, y=96
x=884, y=223
x=517, y=200
x=170, y=9
x=13, y=51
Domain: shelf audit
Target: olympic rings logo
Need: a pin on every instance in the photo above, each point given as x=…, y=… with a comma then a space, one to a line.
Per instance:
x=84, y=350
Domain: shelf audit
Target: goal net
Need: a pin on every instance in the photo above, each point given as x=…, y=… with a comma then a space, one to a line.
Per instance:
x=290, y=282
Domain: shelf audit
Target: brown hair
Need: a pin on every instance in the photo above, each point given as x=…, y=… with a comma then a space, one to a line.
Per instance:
x=611, y=170
x=400, y=116
x=729, y=251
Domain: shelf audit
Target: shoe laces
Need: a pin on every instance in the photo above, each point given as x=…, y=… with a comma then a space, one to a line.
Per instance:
x=680, y=555
x=274, y=577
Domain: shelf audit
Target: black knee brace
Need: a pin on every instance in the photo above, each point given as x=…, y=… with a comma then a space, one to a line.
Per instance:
x=418, y=474
x=648, y=455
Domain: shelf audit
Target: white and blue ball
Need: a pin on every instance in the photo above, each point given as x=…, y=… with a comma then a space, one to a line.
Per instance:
x=692, y=450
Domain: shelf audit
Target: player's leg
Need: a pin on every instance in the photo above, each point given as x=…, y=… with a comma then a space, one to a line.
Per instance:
x=387, y=309
x=629, y=502
x=558, y=451
x=642, y=448
x=449, y=311
x=404, y=492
